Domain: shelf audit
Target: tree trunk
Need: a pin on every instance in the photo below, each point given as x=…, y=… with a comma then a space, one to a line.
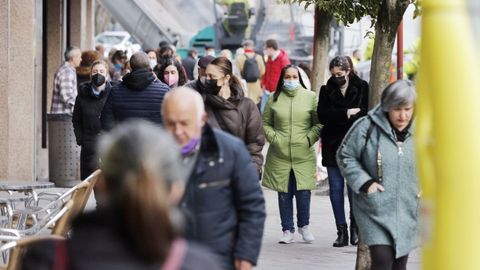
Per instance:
x=389, y=18
x=363, y=257
x=320, y=48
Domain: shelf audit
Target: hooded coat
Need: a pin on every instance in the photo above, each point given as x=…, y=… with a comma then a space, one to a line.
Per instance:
x=388, y=217
x=292, y=128
x=139, y=95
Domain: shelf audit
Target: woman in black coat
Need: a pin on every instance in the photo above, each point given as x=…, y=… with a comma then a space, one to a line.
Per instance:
x=88, y=107
x=342, y=101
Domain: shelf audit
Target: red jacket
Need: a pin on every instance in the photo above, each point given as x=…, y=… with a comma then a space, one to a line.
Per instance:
x=273, y=70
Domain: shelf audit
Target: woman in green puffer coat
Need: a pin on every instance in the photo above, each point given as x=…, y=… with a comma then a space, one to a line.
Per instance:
x=292, y=128
x=377, y=158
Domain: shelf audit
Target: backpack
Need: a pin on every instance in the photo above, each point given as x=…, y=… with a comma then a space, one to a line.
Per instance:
x=250, y=71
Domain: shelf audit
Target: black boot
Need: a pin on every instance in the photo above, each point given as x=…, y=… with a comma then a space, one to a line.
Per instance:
x=353, y=232
x=342, y=239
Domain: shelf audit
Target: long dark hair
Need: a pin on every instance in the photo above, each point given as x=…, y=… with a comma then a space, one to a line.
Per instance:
x=280, y=81
x=226, y=68
x=138, y=185
x=182, y=76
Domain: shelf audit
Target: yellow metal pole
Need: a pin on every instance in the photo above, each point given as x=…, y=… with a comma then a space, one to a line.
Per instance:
x=426, y=170
x=448, y=110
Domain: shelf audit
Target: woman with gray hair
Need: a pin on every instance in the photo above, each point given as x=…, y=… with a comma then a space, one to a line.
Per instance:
x=136, y=227
x=377, y=158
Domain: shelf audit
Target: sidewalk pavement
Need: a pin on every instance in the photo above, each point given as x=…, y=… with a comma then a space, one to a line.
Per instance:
x=320, y=255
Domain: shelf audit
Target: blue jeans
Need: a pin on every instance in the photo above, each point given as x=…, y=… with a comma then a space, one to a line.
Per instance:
x=263, y=101
x=337, y=184
x=285, y=204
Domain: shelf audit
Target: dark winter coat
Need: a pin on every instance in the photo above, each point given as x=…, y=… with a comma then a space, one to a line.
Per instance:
x=139, y=95
x=196, y=85
x=98, y=243
x=189, y=64
x=240, y=117
x=223, y=201
x=332, y=113
x=86, y=124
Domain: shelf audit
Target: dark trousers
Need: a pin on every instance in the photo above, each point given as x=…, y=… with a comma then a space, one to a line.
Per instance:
x=285, y=204
x=88, y=161
x=336, y=184
x=383, y=258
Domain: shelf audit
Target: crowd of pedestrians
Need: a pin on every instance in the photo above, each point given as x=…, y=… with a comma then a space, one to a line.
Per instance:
x=196, y=189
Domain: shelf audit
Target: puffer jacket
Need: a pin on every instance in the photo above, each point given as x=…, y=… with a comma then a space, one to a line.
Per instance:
x=240, y=117
x=223, y=202
x=388, y=217
x=292, y=128
x=139, y=95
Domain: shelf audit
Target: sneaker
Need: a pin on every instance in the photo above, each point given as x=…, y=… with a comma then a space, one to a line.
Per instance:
x=306, y=234
x=287, y=238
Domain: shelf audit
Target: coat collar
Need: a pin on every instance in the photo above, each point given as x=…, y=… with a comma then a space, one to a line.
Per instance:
x=210, y=152
x=292, y=93
x=86, y=90
x=209, y=144
x=337, y=97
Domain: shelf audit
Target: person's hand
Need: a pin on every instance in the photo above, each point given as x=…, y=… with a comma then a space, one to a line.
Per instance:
x=352, y=111
x=242, y=265
x=374, y=187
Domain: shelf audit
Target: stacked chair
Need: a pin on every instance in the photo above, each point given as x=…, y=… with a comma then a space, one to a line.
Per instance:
x=23, y=227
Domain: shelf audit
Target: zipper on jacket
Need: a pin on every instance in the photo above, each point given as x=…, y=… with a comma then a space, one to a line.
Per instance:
x=400, y=148
x=399, y=144
x=291, y=131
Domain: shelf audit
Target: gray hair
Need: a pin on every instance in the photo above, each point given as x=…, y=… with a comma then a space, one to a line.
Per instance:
x=136, y=148
x=197, y=98
x=398, y=93
x=70, y=52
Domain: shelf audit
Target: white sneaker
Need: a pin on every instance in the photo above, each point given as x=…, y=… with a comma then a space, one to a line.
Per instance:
x=287, y=238
x=306, y=234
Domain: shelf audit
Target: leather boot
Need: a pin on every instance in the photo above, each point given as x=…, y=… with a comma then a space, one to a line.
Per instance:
x=353, y=232
x=342, y=239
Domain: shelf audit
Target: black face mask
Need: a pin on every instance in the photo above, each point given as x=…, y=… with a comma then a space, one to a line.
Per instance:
x=339, y=80
x=211, y=87
x=98, y=79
